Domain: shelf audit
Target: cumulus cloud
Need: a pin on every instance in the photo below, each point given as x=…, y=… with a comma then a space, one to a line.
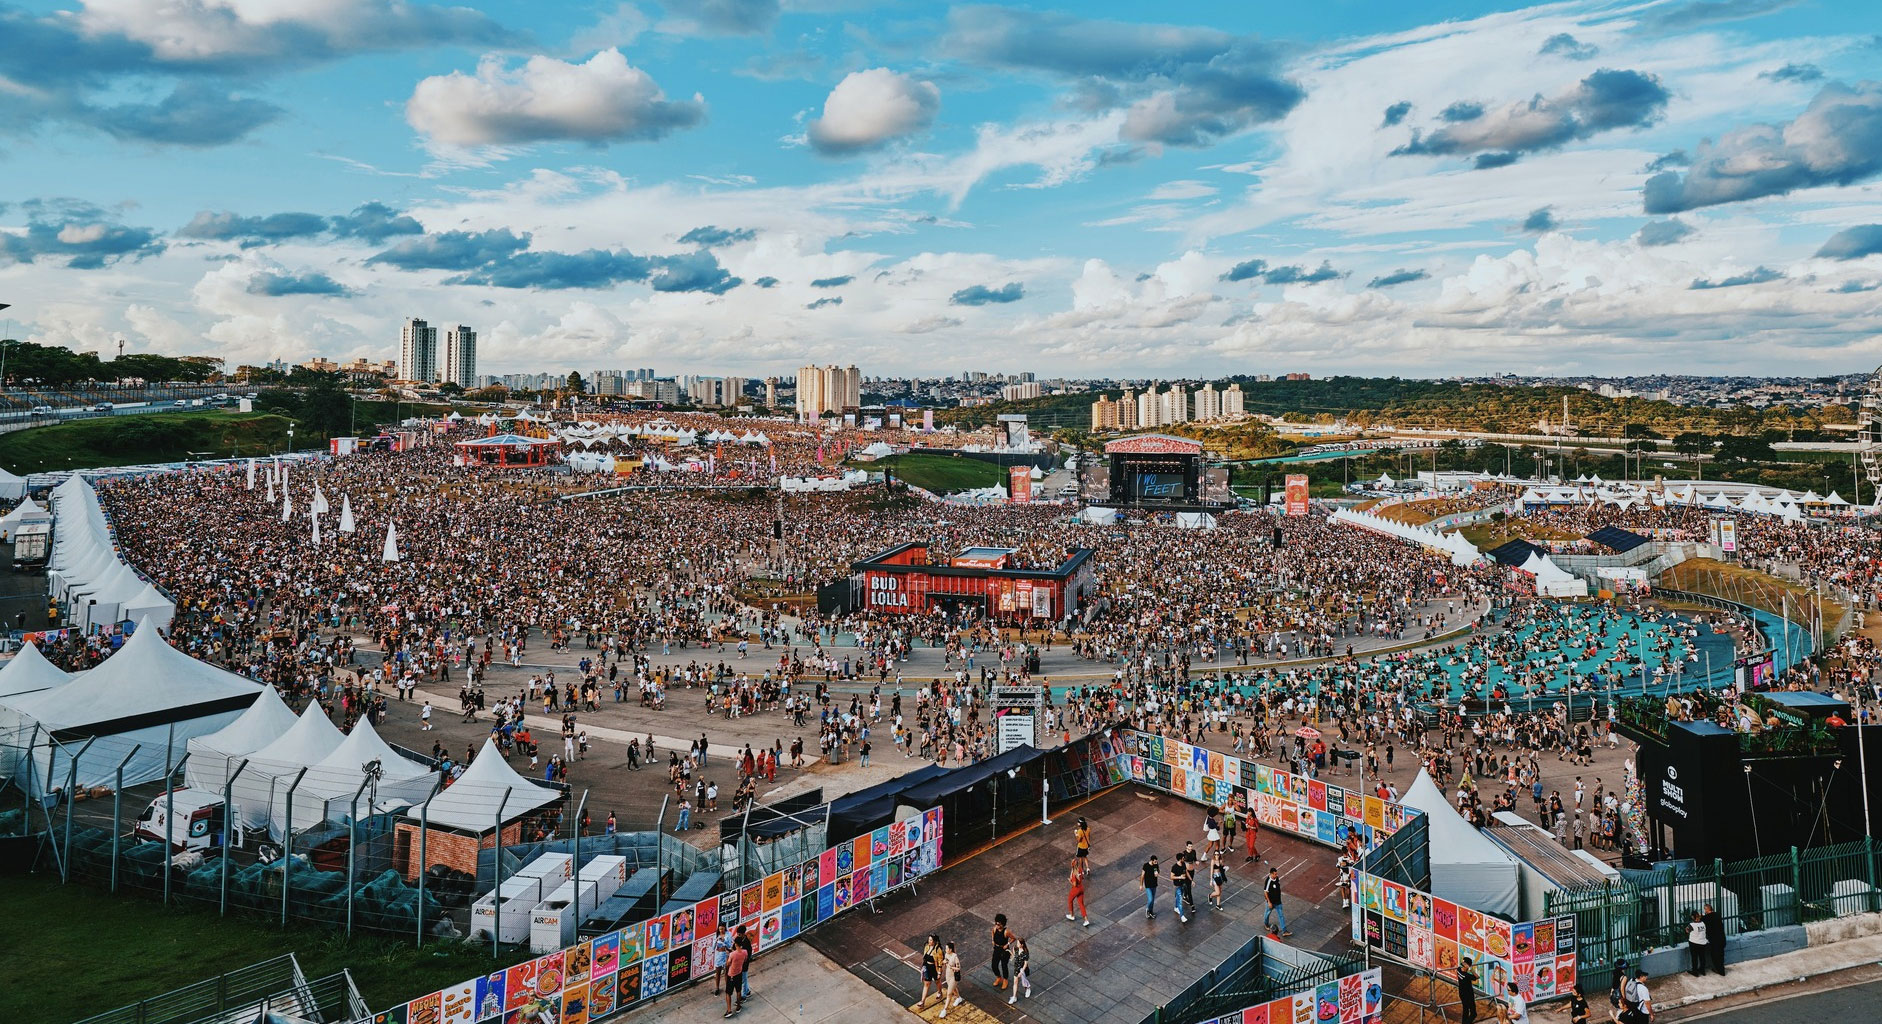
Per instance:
x=307, y=282
x=1794, y=73
x=1603, y=101
x=1837, y=140
x=452, y=250
x=1179, y=86
x=1759, y=275
x=1855, y=287
x=594, y=268
x=1486, y=161
x=603, y=100
x=252, y=231
x=832, y=282
x=1539, y=220
x=872, y=108
x=981, y=295
x=1260, y=270
x=765, y=282
x=832, y=300
x=374, y=222
x=1397, y=277
x=81, y=235
x=1395, y=113
x=1567, y=46
x=724, y=17
x=692, y=272
x=1853, y=243
x=1664, y=232
x=92, y=67
x=709, y=235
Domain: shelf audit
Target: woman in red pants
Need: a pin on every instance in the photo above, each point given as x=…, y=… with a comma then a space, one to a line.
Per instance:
x=1075, y=898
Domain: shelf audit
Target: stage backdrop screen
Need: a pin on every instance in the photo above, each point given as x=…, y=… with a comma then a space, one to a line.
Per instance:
x=1164, y=486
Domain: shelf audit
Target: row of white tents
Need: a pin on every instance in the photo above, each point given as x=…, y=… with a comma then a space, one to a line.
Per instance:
x=84, y=571
x=589, y=433
x=1784, y=504
x=1461, y=551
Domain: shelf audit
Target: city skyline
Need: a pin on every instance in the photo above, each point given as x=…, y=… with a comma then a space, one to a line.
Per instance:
x=1427, y=190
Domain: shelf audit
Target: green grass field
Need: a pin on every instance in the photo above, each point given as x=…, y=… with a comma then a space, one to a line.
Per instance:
x=140, y=949
x=155, y=437
x=942, y=474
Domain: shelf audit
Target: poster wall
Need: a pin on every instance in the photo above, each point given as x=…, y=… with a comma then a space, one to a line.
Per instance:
x=1019, y=484
x=1414, y=926
x=1354, y=999
x=599, y=977
x=1296, y=494
x=1309, y=808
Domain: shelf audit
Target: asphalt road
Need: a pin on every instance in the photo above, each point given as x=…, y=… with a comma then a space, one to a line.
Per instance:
x=1850, y=1003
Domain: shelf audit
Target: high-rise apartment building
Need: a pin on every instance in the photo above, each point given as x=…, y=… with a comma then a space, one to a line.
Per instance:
x=1104, y=414
x=1232, y=402
x=1207, y=402
x=1149, y=408
x=1174, y=405
x=460, y=357
x=418, y=351
x=1127, y=410
x=832, y=389
x=771, y=392
x=1021, y=392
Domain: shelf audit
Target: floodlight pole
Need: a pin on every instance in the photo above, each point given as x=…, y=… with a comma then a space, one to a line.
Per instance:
x=65, y=858
x=352, y=841
x=496, y=931
x=424, y=833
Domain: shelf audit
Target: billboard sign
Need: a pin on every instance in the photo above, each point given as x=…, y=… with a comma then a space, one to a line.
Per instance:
x=1296, y=494
x=1019, y=484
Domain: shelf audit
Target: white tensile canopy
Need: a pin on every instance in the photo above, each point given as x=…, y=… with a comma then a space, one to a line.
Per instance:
x=265, y=721
x=326, y=794
x=1466, y=867
x=391, y=552
x=1195, y=521
x=148, y=695
x=264, y=783
x=30, y=672
x=28, y=511
x=12, y=486
x=471, y=804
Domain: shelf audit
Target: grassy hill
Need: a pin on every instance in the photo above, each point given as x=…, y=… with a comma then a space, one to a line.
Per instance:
x=152, y=437
x=942, y=474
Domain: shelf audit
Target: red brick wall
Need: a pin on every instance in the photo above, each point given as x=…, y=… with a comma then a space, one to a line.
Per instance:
x=452, y=849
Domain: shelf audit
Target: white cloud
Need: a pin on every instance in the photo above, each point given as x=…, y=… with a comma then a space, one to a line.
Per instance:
x=601, y=101
x=869, y=109
x=223, y=32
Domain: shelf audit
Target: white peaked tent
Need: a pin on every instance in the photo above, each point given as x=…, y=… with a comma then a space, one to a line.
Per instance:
x=30, y=672
x=271, y=488
x=1195, y=520
x=12, y=486
x=326, y=794
x=319, y=504
x=27, y=511
x=265, y=721
x=1466, y=867
x=391, y=552
x=148, y=695
x=315, y=519
x=264, y=784
x=471, y=804
x=251, y=474
x=150, y=606
x=287, y=506
x=346, y=514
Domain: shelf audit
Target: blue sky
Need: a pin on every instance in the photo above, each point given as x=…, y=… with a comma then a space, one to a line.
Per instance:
x=743, y=186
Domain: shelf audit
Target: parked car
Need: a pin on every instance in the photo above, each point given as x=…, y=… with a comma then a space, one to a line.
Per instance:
x=42, y=410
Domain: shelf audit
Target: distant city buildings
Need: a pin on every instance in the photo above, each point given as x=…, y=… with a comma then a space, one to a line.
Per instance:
x=832, y=389
x=1151, y=408
x=1021, y=392
x=460, y=357
x=418, y=351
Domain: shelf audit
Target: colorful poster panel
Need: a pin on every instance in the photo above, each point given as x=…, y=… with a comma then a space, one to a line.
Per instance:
x=424, y=1010
x=653, y=976
x=490, y=996
x=601, y=997
x=605, y=957
x=575, y=1005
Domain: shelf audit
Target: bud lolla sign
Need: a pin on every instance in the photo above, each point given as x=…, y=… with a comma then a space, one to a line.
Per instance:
x=1297, y=494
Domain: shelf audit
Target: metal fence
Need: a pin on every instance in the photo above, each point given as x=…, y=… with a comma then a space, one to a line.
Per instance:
x=1249, y=976
x=1648, y=910
x=276, y=985
x=1405, y=856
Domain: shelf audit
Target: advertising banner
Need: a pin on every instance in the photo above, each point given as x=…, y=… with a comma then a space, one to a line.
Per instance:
x=1414, y=926
x=605, y=975
x=1019, y=484
x=1354, y=999
x=1296, y=494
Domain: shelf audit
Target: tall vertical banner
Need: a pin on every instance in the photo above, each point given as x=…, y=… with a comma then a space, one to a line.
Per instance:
x=1019, y=484
x=1296, y=494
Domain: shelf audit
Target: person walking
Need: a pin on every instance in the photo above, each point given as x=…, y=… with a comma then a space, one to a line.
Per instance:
x=1075, y=897
x=1578, y=1006
x=1251, y=826
x=1275, y=920
x=1083, y=833
x=1715, y=938
x=1149, y=886
x=932, y=956
x=424, y=717
x=951, y=975
x=1467, y=990
x=1179, y=885
x=1637, y=1001
x=1695, y=945
x=1218, y=882
x=1022, y=956
x=1002, y=953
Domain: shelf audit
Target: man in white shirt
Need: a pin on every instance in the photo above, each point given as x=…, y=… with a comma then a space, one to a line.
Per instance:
x=1519, y=1007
